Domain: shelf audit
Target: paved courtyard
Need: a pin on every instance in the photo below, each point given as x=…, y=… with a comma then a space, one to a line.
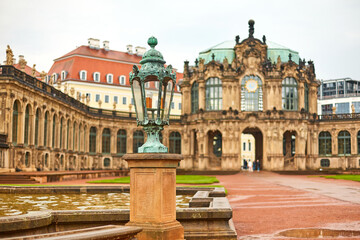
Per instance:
x=266, y=203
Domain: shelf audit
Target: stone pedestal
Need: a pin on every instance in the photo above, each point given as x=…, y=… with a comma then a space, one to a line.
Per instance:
x=153, y=195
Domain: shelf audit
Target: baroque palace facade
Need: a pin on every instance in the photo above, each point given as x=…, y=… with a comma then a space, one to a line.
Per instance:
x=243, y=87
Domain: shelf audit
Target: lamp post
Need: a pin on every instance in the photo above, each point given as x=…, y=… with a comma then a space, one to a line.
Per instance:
x=153, y=169
x=152, y=109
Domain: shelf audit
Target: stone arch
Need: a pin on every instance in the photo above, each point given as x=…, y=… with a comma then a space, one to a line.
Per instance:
x=258, y=151
x=214, y=148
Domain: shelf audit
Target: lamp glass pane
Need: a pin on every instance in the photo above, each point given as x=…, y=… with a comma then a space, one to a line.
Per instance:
x=167, y=97
x=138, y=100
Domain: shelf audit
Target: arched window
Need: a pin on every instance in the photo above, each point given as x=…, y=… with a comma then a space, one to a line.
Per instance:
x=96, y=77
x=213, y=92
x=175, y=143
x=344, y=143
x=54, y=78
x=37, y=118
x=63, y=75
x=26, y=127
x=79, y=137
x=92, y=140
x=107, y=162
x=67, y=134
x=84, y=145
x=106, y=141
x=83, y=75
x=138, y=140
x=46, y=122
x=121, y=142
x=358, y=142
x=74, y=136
x=53, y=131
x=122, y=80
x=195, y=97
x=324, y=143
x=306, y=97
x=15, y=122
x=46, y=160
x=217, y=144
x=289, y=94
x=251, y=94
x=27, y=160
x=61, y=133
x=109, y=78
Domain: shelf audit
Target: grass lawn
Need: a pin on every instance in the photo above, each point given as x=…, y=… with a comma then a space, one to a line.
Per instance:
x=344, y=177
x=183, y=179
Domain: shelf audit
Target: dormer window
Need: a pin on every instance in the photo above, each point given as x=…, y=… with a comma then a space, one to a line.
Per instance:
x=83, y=75
x=96, y=77
x=122, y=80
x=109, y=78
x=54, y=78
x=63, y=75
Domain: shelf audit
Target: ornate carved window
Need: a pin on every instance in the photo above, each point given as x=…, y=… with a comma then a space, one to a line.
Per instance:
x=306, y=97
x=175, y=143
x=121, y=142
x=106, y=140
x=195, y=97
x=217, y=144
x=325, y=163
x=213, y=94
x=138, y=140
x=324, y=143
x=107, y=162
x=344, y=143
x=251, y=94
x=67, y=134
x=37, y=117
x=15, y=122
x=92, y=140
x=61, y=133
x=26, y=127
x=53, y=131
x=46, y=122
x=289, y=94
x=74, y=136
x=358, y=142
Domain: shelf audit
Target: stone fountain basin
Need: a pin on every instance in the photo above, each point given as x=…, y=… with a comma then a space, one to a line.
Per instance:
x=209, y=215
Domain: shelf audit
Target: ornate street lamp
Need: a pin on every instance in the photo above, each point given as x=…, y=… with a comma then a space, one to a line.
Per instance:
x=152, y=107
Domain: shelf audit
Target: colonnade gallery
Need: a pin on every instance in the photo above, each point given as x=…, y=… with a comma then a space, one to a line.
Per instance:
x=247, y=86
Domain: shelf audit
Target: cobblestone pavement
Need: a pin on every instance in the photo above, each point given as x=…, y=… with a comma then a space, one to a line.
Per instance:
x=265, y=203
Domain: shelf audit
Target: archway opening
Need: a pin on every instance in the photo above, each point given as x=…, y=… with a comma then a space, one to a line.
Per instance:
x=215, y=149
x=252, y=147
x=289, y=150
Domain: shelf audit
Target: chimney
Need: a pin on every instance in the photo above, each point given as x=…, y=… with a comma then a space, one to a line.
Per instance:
x=106, y=45
x=129, y=49
x=140, y=51
x=94, y=43
x=21, y=58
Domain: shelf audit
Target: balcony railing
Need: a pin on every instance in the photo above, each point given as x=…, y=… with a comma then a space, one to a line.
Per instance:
x=346, y=116
x=23, y=78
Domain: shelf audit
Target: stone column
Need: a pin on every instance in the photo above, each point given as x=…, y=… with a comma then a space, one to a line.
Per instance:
x=153, y=195
x=301, y=96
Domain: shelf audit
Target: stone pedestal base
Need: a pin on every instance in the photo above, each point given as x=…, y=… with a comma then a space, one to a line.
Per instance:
x=159, y=231
x=153, y=195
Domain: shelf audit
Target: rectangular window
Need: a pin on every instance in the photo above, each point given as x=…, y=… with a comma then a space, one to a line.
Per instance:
x=179, y=106
x=106, y=98
x=342, y=108
x=97, y=97
x=244, y=146
x=326, y=109
x=116, y=99
x=356, y=106
x=124, y=100
x=132, y=101
x=172, y=105
x=249, y=146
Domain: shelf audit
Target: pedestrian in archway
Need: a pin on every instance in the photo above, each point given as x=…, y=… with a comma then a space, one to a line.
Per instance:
x=258, y=165
x=250, y=165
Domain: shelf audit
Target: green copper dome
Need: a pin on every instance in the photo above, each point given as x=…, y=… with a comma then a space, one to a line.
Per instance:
x=226, y=49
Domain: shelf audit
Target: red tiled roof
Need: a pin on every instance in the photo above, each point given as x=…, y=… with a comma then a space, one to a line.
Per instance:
x=102, y=53
x=88, y=59
x=28, y=70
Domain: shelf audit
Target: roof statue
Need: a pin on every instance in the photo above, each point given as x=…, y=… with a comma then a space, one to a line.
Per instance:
x=237, y=39
x=251, y=28
x=33, y=72
x=9, y=56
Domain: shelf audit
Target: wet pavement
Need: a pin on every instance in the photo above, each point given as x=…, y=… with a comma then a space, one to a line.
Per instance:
x=266, y=205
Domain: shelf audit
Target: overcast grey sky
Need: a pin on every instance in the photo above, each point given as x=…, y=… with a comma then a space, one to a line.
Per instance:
x=327, y=32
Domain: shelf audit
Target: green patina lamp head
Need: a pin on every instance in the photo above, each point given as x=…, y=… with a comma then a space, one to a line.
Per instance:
x=153, y=88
